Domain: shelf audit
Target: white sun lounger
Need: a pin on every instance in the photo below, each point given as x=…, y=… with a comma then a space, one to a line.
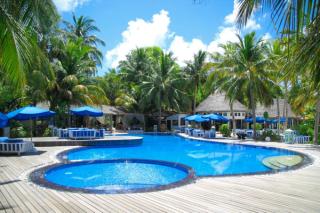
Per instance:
x=16, y=146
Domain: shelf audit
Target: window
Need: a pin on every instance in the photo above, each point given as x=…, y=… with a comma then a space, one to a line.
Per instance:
x=225, y=114
x=174, y=122
x=182, y=122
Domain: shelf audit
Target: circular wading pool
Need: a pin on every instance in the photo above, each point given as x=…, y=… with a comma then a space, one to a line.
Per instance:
x=114, y=176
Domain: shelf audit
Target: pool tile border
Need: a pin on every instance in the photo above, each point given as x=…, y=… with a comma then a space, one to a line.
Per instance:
x=38, y=177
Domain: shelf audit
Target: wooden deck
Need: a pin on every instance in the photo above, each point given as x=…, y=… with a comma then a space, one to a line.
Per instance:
x=293, y=191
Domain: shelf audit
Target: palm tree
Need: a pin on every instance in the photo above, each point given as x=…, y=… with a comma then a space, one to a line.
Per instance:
x=21, y=26
x=160, y=87
x=244, y=73
x=300, y=19
x=84, y=28
x=278, y=58
x=196, y=71
x=219, y=79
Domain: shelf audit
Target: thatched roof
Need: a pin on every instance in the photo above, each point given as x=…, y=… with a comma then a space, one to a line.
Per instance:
x=272, y=110
x=218, y=102
x=111, y=110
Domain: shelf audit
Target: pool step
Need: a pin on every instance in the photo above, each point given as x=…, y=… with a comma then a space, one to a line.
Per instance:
x=282, y=162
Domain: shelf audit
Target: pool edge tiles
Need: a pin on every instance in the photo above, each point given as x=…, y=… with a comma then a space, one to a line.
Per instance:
x=38, y=176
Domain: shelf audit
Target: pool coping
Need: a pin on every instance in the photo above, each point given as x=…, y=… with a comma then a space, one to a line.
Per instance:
x=38, y=176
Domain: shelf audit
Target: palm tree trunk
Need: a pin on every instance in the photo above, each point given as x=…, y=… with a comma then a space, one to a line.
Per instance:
x=194, y=99
x=285, y=106
x=316, y=123
x=253, y=108
x=159, y=121
x=69, y=116
x=233, y=119
x=278, y=116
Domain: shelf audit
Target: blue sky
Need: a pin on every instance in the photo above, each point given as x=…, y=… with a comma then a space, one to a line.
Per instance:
x=180, y=26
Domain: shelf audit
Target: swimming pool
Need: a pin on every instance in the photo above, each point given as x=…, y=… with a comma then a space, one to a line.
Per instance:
x=160, y=162
x=206, y=158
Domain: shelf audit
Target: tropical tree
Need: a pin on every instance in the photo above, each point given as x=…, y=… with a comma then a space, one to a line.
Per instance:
x=277, y=59
x=72, y=84
x=219, y=79
x=21, y=26
x=244, y=72
x=197, y=73
x=84, y=28
x=301, y=20
x=160, y=86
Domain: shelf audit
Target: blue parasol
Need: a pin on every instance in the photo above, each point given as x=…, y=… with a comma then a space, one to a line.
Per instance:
x=30, y=113
x=87, y=111
x=3, y=120
x=216, y=117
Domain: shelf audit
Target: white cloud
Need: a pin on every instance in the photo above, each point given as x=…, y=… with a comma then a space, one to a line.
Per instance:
x=68, y=5
x=141, y=33
x=231, y=19
x=183, y=50
x=266, y=36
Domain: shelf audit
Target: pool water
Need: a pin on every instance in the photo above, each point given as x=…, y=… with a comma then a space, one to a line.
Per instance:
x=114, y=176
x=206, y=158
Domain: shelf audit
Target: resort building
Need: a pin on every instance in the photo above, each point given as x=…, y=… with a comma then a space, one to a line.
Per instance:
x=219, y=103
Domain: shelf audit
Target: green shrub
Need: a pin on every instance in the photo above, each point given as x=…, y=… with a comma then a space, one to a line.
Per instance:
x=258, y=126
x=270, y=134
x=18, y=132
x=225, y=130
x=47, y=132
x=305, y=128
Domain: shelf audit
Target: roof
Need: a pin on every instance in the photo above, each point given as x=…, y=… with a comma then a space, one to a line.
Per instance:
x=272, y=110
x=217, y=102
x=111, y=110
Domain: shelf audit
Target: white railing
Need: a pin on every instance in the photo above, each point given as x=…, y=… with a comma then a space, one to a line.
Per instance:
x=301, y=139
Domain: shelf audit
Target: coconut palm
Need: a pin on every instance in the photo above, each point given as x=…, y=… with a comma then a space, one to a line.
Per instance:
x=196, y=72
x=278, y=58
x=245, y=73
x=160, y=85
x=21, y=26
x=302, y=20
x=220, y=79
x=84, y=28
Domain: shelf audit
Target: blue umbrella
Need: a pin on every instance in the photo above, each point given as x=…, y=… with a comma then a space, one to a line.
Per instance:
x=258, y=120
x=274, y=121
x=196, y=118
x=87, y=111
x=3, y=120
x=30, y=113
x=216, y=117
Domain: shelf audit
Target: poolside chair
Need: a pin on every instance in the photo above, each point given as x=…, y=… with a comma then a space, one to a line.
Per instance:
x=15, y=146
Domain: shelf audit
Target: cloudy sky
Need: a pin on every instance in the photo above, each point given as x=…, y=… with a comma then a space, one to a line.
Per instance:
x=180, y=26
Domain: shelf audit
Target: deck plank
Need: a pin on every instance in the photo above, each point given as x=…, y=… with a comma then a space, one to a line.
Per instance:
x=293, y=191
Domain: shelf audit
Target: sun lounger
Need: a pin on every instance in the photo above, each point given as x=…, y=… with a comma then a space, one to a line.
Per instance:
x=15, y=146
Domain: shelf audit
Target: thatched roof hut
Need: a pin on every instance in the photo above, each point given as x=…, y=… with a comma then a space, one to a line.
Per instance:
x=218, y=102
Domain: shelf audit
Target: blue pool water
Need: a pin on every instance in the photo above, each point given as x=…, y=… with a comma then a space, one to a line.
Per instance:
x=207, y=159
x=114, y=176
